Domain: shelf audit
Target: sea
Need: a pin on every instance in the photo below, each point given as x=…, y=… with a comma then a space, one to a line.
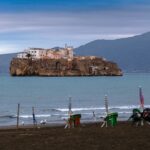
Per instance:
x=50, y=97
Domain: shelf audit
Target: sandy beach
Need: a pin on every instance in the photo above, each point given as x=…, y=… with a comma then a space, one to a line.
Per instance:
x=87, y=137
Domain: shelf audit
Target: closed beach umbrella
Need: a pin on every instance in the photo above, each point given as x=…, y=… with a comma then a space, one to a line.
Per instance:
x=69, y=107
x=141, y=98
x=106, y=104
x=33, y=115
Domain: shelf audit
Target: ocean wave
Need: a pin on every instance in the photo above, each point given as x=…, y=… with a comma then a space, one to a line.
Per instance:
x=128, y=107
x=55, y=110
x=50, y=110
x=38, y=116
x=86, y=112
x=81, y=109
x=115, y=107
x=126, y=112
x=8, y=116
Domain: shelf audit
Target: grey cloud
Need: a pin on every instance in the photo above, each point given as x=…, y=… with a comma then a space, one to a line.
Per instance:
x=91, y=20
x=55, y=28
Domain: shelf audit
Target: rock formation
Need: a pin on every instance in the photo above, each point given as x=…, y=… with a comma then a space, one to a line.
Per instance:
x=78, y=66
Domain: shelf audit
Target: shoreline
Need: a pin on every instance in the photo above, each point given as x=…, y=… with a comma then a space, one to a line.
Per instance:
x=55, y=125
x=48, y=125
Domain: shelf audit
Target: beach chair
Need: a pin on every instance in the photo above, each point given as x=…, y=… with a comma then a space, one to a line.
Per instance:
x=146, y=115
x=76, y=119
x=68, y=124
x=104, y=122
x=136, y=117
x=110, y=119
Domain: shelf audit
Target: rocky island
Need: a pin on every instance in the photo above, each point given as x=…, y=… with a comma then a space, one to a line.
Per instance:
x=56, y=65
x=63, y=67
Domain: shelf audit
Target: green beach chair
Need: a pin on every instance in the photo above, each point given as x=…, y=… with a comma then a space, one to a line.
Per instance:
x=112, y=119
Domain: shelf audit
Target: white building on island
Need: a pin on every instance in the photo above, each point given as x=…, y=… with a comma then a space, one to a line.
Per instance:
x=53, y=53
x=22, y=55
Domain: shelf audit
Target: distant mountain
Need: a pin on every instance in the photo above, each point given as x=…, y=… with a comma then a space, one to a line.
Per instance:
x=5, y=61
x=132, y=54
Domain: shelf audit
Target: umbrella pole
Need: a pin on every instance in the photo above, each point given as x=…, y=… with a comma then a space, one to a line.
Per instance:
x=18, y=113
x=106, y=104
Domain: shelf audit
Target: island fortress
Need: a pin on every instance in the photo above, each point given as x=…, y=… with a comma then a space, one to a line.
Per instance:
x=60, y=62
x=53, y=53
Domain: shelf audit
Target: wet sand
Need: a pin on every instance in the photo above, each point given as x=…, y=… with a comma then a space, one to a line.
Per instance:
x=87, y=137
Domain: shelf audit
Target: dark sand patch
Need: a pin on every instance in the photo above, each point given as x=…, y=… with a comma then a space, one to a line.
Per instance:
x=87, y=137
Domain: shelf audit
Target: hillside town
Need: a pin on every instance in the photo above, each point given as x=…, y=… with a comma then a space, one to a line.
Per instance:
x=41, y=53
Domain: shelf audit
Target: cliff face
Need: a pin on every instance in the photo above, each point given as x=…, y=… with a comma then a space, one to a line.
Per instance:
x=80, y=66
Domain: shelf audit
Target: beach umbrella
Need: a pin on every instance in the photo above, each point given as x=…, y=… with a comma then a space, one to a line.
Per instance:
x=69, y=107
x=33, y=115
x=141, y=98
x=106, y=104
x=18, y=113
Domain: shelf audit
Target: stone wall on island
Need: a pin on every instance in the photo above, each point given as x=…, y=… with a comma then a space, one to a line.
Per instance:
x=78, y=66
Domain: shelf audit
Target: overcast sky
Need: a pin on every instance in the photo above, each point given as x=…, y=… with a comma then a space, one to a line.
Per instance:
x=49, y=23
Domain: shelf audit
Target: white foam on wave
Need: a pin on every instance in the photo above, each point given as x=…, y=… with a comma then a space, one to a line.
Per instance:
x=127, y=112
x=87, y=111
x=124, y=107
x=25, y=116
x=127, y=107
x=39, y=116
x=102, y=108
x=81, y=109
